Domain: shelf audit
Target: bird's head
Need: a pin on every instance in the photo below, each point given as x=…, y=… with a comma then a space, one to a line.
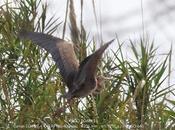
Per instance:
x=100, y=80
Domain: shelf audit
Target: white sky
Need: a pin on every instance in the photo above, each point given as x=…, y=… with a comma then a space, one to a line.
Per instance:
x=123, y=17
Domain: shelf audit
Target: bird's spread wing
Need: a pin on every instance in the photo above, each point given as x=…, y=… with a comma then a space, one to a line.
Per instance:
x=62, y=52
x=88, y=66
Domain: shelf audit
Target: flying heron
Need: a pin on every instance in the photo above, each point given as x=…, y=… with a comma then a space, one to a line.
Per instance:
x=80, y=79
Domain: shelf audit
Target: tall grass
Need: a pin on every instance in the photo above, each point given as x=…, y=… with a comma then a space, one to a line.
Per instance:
x=134, y=97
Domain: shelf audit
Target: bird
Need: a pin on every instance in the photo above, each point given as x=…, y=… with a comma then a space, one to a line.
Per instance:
x=80, y=78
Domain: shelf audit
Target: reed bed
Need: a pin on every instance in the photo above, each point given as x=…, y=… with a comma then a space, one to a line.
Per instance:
x=136, y=96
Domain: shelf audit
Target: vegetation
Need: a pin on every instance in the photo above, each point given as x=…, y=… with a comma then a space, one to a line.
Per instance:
x=134, y=97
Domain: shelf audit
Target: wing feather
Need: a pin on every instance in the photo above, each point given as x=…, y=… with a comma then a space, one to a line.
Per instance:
x=88, y=66
x=62, y=52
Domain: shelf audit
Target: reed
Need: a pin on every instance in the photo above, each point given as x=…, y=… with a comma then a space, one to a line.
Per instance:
x=134, y=97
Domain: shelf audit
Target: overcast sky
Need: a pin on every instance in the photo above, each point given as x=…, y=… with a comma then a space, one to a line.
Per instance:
x=124, y=18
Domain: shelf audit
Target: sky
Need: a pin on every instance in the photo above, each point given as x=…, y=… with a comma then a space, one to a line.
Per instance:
x=124, y=18
x=127, y=19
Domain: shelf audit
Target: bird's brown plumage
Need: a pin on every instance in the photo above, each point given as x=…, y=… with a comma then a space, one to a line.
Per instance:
x=80, y=79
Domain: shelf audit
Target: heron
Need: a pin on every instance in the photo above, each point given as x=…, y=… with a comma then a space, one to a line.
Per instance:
x=80, y=78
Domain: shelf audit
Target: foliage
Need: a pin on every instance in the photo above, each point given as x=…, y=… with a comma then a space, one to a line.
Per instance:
x=134, y=97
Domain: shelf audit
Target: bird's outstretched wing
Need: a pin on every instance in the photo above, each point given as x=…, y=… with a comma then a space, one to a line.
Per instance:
x=62, y=52
x=88, y=66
